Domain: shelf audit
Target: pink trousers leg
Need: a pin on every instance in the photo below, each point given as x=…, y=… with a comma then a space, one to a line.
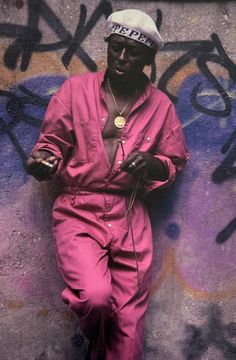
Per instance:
x=91, y=295
x=102, y=284
x=130, y=289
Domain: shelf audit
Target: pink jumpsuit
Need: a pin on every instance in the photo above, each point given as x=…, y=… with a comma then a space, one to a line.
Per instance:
x=103, y=252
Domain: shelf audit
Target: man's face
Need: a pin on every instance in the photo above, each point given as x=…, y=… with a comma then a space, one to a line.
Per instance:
x=126, y=58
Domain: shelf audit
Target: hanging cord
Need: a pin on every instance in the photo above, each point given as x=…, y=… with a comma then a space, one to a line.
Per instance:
x=128, y=215
x=132, y=198
x=135, y=189
x=135, y=252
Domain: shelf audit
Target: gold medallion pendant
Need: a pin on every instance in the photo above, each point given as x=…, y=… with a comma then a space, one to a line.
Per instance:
x=119, y=122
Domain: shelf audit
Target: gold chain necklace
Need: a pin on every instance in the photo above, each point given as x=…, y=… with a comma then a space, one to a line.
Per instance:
x=119, y=121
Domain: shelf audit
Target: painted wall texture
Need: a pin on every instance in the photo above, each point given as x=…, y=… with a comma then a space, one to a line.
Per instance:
x=192, y=313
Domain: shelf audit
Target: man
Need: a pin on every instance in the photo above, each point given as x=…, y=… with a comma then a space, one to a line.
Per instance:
x=110, y=137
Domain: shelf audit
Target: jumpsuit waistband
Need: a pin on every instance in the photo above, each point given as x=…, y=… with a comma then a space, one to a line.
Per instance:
x=74, y=190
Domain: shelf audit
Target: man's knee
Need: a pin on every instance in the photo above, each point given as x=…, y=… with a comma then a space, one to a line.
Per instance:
x=93, y=297
x=97, y=296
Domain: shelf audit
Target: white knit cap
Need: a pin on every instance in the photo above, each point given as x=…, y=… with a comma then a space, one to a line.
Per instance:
x=136, y=25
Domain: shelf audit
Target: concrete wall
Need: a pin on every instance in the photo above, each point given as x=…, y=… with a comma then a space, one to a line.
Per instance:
x=192, y=314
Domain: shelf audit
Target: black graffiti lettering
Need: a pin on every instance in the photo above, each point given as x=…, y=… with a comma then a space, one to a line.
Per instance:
x=26, y=36
x=16, y=104
x=229, y=142
x=15, y=108
x=82, y=31
x=203, y=52
x=5, y=129
x=223, y=172
x=226, y=169
x=199, y=48
x=213, y=333
x=223, y=60
x=226, y=233
x=19, y=31
x=29, y=39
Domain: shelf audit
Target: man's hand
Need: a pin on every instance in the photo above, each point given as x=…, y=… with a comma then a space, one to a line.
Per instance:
x=143, y=164
x=42, y=165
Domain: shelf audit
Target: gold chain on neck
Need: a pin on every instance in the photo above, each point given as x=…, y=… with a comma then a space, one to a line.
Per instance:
x=114, y=99
x=119, y=121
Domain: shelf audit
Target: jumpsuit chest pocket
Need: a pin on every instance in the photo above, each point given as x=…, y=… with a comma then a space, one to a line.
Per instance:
x=86, y=134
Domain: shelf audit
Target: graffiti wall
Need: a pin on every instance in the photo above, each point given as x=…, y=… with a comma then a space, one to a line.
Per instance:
x=192, y=313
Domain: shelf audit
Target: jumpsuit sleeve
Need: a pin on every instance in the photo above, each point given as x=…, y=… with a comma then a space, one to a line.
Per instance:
x=56, y=135
x=170, y=149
